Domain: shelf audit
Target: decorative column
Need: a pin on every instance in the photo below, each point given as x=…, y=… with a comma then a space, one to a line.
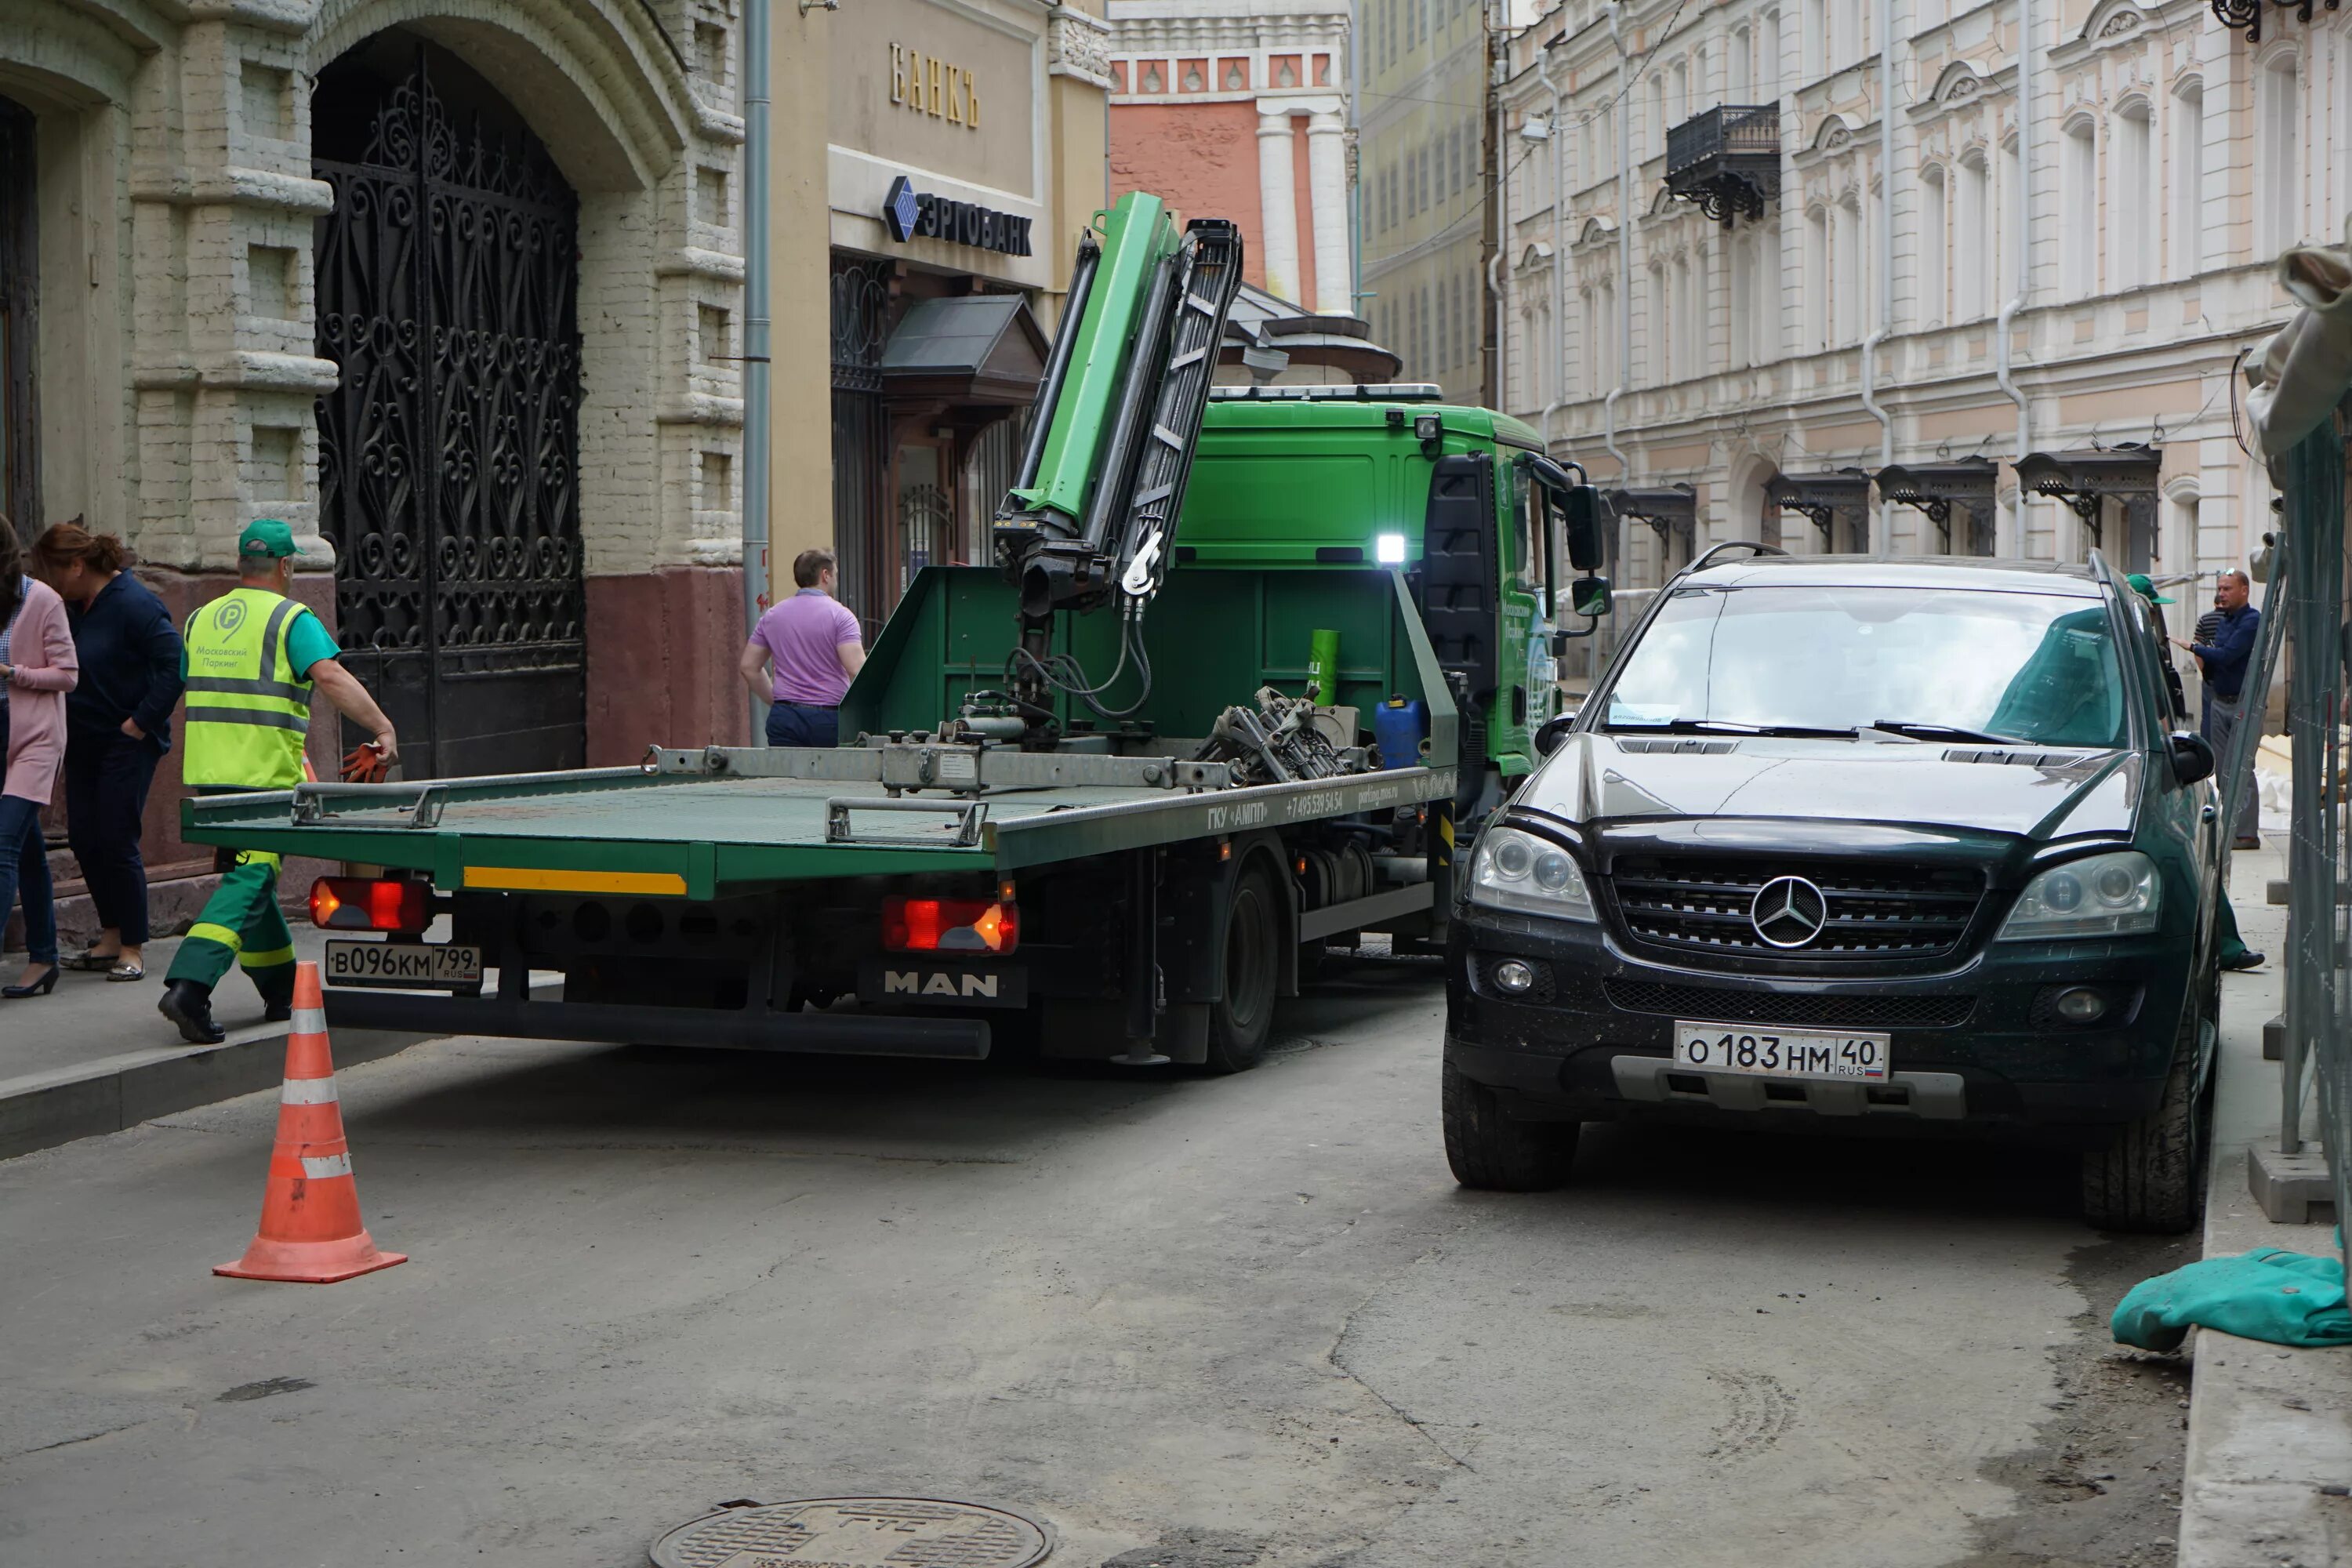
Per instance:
x=1327, y=181
x=1277, y=195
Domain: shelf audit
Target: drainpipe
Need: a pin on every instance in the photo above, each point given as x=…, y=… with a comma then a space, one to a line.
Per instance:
x=1559, y=254
x=1357, y=294
x=1624, y=256
x=1496, y=20
x=2003, y=369
x=1882, y=535
x=755, y=327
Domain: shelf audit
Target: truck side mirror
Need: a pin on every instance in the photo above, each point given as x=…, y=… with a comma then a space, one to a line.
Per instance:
x=1553, y=733
x=1589, y=596
x=2192, y=756
x=1581, y=513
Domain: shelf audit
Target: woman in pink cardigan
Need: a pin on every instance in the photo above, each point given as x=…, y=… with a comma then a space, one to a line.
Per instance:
x=38, y=668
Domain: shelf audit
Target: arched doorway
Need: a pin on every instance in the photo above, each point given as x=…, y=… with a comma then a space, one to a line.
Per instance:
x=449, y=456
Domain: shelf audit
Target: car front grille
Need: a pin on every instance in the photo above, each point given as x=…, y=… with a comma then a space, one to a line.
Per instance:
x=1704, y=904
x=1703, y=1004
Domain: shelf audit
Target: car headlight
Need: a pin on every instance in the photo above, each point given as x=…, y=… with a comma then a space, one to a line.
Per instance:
x=1520, y=872
x=2116, y=894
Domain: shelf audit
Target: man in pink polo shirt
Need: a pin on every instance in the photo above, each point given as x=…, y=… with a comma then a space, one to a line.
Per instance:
x=812, y=639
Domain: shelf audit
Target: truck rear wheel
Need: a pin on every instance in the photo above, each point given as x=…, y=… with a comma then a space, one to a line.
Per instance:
x=1241, y=1017
x=1488, y=1150
x=2152, y=1177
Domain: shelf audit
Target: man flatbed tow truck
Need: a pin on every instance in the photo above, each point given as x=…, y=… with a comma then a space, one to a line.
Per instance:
x=1131, y=865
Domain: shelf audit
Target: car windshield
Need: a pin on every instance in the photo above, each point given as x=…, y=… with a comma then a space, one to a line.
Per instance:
x=1939, y=664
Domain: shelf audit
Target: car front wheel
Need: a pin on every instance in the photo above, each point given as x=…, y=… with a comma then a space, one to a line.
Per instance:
x=1488, y=1150
x=2152, y=1177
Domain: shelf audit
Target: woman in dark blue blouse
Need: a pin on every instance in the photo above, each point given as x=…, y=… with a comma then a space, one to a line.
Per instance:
x=118, y=727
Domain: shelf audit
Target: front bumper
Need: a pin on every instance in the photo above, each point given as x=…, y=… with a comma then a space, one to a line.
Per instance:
x=1594, y=1041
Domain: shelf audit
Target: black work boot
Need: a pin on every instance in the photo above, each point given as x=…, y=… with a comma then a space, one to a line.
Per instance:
x=278, y=1001
x=189, y=1005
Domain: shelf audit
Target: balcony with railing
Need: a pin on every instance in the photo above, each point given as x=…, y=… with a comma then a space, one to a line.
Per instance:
x=1727, y=160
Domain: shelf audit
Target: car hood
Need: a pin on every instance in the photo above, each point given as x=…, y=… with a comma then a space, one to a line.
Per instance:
x=2021, y=791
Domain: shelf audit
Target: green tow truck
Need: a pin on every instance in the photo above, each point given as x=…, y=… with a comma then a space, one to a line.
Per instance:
x=1091, y=801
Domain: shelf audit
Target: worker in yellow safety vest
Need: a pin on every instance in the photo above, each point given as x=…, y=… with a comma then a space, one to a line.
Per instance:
x=253, y=658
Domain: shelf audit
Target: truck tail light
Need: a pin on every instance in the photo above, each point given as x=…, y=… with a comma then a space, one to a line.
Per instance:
x=950, y=925
x=371, y=903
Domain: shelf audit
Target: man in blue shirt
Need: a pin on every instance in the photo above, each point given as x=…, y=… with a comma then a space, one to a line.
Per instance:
x=2224, y=661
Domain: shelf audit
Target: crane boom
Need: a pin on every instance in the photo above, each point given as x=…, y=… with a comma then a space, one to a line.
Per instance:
x=1113, y=429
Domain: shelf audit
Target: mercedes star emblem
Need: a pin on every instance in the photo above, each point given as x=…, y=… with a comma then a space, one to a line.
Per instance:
x=1789, y=911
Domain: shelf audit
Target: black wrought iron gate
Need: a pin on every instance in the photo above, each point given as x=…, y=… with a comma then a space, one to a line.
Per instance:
x=449, y=456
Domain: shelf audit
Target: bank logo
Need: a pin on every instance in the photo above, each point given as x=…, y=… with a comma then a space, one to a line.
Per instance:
x=1789, y=911
x=900, y=209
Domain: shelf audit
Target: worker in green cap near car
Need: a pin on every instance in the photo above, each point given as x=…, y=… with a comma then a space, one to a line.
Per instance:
x=253, y=658
x=2230, y=950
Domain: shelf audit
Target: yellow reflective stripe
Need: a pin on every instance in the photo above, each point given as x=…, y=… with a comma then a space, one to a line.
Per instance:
x=268, y=857
x=205, y=930
x=275, y=956
x=532, y=879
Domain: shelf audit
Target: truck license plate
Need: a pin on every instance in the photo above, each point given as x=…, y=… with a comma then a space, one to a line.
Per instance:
x=1781, y=1053
x=411, y=966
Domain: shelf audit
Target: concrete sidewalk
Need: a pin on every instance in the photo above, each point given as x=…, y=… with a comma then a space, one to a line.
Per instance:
x=95, y=1056
x=2269, y=1428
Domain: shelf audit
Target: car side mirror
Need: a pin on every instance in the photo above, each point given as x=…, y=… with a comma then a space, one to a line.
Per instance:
x=1589, y=596
x=1580, y=510
x=2192, y=756
x=1553, y=733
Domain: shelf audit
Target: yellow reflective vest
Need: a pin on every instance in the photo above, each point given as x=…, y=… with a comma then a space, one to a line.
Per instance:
x=247, y=712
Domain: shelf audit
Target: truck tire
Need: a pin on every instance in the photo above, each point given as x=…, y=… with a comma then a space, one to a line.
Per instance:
x=2152, y=1178
x=1241, y=1017
x=1489, y=1151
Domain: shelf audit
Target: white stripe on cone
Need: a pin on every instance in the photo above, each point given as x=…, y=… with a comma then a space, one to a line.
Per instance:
x=309, y=1020
x=308, y=1091
x=318, y=1169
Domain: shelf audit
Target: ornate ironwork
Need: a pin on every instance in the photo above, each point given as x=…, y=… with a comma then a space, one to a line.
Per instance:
x=1936, y=488
x=1670, y=512
x=1728, y=161
x=1824, y=499
x=449, y=455
x=861, y=324
x=2126, y=474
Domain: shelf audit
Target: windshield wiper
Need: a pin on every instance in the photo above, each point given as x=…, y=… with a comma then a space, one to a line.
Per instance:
x=1730, y=727
x=1919, y=731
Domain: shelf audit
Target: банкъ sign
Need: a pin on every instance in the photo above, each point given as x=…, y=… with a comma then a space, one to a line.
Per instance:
x=930, y=85
x=910, y=214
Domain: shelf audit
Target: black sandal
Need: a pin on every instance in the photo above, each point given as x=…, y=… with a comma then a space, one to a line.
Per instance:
x=89, y=961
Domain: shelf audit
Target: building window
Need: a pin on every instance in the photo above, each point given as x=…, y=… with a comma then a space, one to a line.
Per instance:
x=2012, y=248
x=1845, y=257
x=1767, y=63
x=1610, y=335
x=1587, y=345
x=2078, y=207
x=1972, y=239
x=1765, y=304
x=2279, y=155
x=1655, y=136
x=1934, y=246
x=1815, y=41
x=2188, y=167
x=1740, y=66
x=1654, y=369
x=1684, y=337
x=1817, y=279
x=2129, y=197
x=1677, y=93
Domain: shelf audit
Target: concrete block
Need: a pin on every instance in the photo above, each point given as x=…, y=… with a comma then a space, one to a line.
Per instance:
x=2274, y=1040
x=2275, y=892
x=2290, y=1187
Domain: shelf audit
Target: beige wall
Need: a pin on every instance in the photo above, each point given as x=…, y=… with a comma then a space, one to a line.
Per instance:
x=992, y=63
x=799, y=471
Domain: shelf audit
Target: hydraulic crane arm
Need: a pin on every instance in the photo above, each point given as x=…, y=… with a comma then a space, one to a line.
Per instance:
x=1113, y=432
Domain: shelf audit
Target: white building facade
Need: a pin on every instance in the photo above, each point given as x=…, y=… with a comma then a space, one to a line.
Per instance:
x=1942, y=274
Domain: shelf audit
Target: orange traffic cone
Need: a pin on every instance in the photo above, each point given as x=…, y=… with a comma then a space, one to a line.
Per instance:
x=310, y=1231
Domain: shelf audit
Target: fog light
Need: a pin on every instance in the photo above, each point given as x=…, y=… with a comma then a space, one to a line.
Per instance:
x=1512, y=976
x=2081, y=1005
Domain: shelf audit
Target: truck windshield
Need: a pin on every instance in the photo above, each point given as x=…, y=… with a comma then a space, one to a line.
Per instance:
x=2017, y=667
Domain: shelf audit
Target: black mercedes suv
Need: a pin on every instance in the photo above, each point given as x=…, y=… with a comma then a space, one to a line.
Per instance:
x=1897, y=846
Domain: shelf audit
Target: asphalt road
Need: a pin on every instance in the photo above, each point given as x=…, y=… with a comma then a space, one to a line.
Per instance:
x=1238, y=1322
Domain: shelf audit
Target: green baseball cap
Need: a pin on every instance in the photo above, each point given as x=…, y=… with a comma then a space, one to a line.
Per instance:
x=266, y=536
x=2145, y=589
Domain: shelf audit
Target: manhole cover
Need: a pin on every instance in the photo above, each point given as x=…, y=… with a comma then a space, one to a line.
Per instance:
x=856, y=1532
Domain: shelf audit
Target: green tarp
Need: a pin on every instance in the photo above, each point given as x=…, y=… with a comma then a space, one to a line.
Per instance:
x=2283, y=1298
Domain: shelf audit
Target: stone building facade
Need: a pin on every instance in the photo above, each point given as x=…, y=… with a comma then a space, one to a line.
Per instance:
x=2165, y=162
x=1425, y=181
x=1237, y=109
x=453, y=286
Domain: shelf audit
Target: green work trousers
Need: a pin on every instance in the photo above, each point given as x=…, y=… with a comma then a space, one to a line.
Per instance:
x=241, y=925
